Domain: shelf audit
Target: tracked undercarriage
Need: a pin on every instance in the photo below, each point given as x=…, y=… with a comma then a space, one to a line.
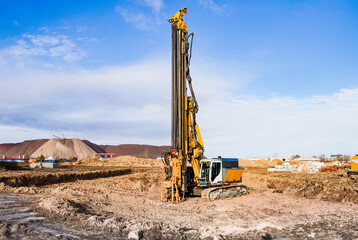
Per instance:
x=224, y=192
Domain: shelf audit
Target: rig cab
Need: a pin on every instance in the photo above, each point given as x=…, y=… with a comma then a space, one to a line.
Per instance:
x=217, y=171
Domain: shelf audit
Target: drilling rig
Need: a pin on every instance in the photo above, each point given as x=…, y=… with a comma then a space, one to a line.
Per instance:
x=186, y=171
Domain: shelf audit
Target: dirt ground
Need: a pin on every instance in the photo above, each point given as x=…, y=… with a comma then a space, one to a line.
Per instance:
x=128, y=206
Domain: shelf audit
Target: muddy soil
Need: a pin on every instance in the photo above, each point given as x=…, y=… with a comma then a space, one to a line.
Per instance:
x=327, y=186
x=50, y=178
x=129, y=207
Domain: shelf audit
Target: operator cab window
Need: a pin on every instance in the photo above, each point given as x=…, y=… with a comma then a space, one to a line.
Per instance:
x=205, y=170
x=215, y=171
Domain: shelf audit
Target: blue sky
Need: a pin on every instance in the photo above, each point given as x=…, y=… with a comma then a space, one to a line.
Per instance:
x=271, y=77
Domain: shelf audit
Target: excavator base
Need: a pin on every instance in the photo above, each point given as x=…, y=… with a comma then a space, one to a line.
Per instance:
x=221, y=192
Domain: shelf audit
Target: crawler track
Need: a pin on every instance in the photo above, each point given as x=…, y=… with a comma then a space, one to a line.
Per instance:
x=224, y=192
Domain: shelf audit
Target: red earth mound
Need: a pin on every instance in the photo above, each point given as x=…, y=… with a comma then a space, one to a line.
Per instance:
x=25, y=148
x=29, y=147
x=5, y=147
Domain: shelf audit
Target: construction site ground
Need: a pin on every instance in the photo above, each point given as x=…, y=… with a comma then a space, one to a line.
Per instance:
x=93, y=200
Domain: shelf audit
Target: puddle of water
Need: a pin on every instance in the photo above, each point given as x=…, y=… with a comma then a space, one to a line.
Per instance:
x=12, y=196
x=7, y=196
x=28, y=219
x=13, y=209
x=6, y=201
x=10, y=206
x=55, y=232
x=49, y=224
x=16, y=216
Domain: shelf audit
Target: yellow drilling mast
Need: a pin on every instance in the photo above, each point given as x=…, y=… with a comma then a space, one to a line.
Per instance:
x=186, y=173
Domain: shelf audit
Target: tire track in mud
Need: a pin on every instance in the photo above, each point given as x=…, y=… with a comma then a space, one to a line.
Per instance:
x=17, y=221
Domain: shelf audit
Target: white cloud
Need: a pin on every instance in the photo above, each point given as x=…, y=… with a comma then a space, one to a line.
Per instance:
x=64, y=27
x=131, y=104
x=82, y=29
x=117, y=101
x=210, y=4
x=156, y=5
x=141, y=20
x=40, y=40
x=12, y=134
x=45, y=45
x=253, y=126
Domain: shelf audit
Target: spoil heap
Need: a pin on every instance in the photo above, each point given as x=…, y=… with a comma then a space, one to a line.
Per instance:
x=5, y=147
x=70, y=148
x=64, y=148
x=25, y=148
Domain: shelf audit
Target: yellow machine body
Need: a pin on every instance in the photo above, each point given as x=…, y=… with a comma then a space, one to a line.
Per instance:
x=354, y=163
x=178, y=17
x=233, y=175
